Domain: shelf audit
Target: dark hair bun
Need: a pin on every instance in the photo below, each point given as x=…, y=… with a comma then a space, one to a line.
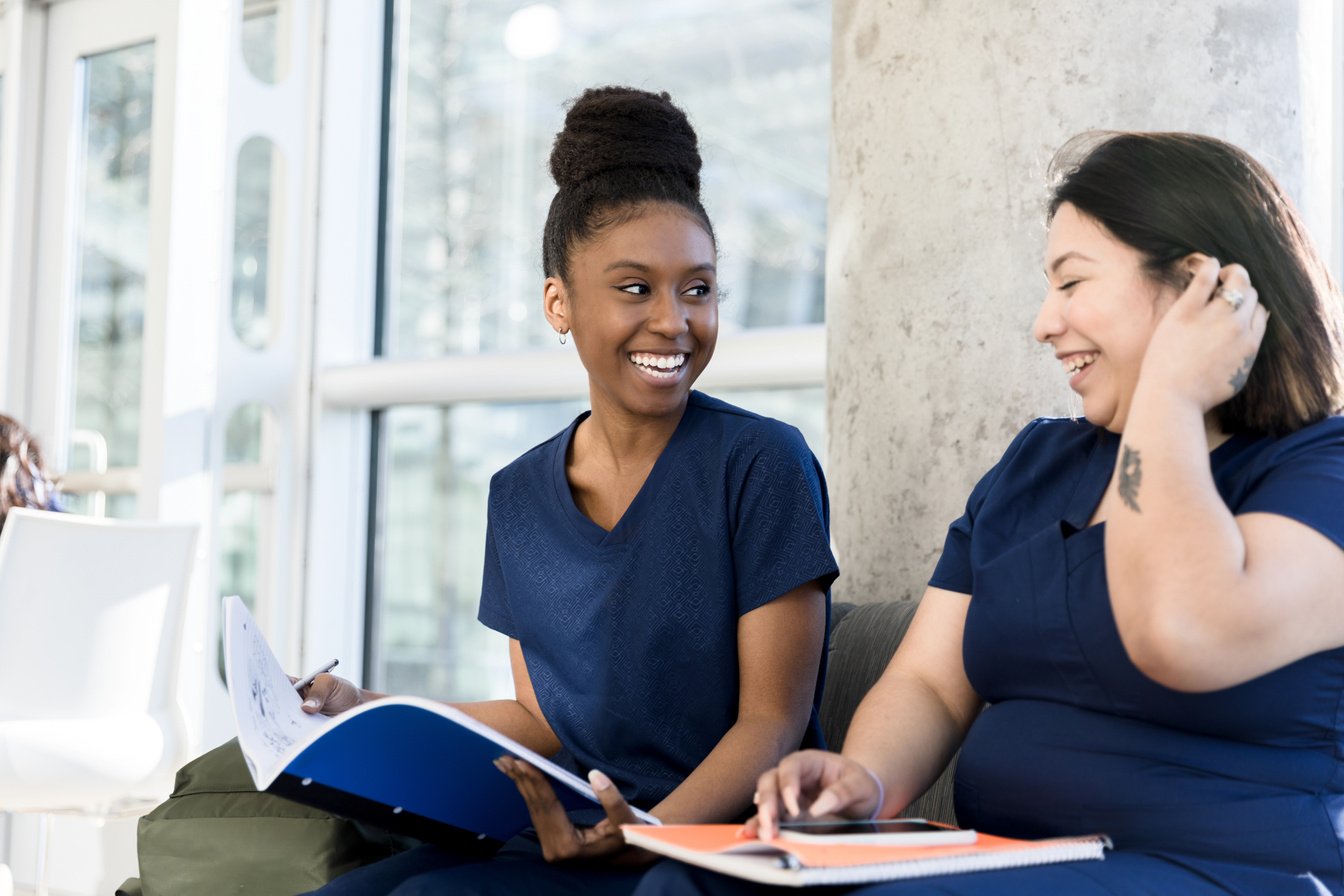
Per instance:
x=610, y=128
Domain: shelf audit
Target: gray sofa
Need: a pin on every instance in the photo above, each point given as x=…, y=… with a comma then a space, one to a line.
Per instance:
x=863, y=638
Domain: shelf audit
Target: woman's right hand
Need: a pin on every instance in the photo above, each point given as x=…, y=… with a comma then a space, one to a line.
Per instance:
x=813, y=783
x=331, y=695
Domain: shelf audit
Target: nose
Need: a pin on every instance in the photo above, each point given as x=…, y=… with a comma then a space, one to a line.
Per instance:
x=1050, y=321
x=668, y=314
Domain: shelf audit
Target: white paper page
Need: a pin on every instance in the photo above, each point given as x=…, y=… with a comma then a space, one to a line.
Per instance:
x=266, y=708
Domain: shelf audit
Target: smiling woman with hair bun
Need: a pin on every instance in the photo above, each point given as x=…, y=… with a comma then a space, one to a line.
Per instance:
x=661, y=567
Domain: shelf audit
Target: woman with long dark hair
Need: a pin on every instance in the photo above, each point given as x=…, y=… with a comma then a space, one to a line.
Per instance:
x=1137, y=626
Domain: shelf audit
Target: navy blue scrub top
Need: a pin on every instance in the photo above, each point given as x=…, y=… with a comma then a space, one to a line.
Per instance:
x=1075, y=738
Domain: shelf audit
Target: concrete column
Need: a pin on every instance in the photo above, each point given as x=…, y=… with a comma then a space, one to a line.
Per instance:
x=945, y=117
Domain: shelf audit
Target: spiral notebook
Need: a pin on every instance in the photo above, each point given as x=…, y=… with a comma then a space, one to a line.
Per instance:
x=721, y=848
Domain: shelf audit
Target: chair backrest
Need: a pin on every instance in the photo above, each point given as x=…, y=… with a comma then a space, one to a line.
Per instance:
x=91, y=615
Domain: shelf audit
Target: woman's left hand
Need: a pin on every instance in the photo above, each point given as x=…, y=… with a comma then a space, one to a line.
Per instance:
x=560, y=839
x=1205, y=345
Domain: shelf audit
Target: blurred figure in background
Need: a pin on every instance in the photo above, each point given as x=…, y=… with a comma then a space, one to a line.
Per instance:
x=24, y=481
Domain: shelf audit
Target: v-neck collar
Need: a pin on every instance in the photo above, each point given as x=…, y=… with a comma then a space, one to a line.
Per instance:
x=631, y=522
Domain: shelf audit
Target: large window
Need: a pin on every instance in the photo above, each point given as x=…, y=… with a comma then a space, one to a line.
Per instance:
x=110, y=266
x=476, y=95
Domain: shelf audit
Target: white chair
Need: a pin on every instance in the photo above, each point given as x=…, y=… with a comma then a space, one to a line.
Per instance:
x=91, y=618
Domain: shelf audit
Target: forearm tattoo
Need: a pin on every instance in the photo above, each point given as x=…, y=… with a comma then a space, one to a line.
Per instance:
x=1131, y=474
x=1238, y=381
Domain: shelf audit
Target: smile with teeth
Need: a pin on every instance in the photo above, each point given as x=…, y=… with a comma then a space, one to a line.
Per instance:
x=663, y=367
x=1075, y=363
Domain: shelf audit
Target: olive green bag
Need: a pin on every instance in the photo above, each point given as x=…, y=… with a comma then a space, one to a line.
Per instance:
x=216, y=834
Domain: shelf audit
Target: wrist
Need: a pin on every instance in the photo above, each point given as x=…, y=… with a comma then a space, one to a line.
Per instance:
x=1165, y=395
x=881, y=794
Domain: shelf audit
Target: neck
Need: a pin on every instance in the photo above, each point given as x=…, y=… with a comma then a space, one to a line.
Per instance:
x=621, y=440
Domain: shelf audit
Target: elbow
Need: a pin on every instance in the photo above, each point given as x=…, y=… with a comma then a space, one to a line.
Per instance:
x=1176, y=651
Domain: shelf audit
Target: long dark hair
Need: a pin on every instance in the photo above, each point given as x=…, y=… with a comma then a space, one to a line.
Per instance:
x=621, y=148
x=1170, y=194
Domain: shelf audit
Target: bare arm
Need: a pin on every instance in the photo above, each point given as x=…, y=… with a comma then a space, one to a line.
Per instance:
x=779, y=645
x=777, y=681
x=917, y=714
x=1204, y=599
x=520, y=718
x=903, y=734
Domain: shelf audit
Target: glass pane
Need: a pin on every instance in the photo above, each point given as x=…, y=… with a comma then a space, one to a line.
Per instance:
x=112, y=247
x=99, y=504
x=243, y=434
x=480, y=90
x=265, y=38
x=256, y=226
x=246, y=506
x=437, y=476
x=438, y=465
x=240, y=523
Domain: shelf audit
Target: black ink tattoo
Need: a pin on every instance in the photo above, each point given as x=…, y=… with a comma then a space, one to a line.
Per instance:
x=1130, y=477
x=1238, y=381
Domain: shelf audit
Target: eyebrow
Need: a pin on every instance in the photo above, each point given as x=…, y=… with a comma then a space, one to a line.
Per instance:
x=1067, y=256
x=641, y=266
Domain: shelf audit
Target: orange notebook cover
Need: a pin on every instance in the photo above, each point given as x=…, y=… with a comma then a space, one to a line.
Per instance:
x=719, y=847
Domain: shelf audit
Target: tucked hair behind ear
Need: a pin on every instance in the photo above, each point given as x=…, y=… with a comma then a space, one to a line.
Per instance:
x=621, y=148
x=1170, y=194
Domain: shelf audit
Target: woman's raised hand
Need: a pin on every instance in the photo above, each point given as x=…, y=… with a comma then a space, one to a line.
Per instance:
x=1205, y=345
x=813, y=784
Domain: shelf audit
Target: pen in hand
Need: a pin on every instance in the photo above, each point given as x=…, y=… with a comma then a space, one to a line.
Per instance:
x=308, y=679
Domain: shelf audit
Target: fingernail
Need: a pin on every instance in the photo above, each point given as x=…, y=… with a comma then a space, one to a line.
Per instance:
x=756, y=798
x=598, y=780
x=825, y=803
x=311, y=704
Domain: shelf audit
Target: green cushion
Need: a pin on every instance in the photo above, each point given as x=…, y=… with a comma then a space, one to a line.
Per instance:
x=216, y=834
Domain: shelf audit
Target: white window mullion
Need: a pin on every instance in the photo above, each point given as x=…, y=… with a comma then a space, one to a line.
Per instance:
x=340, y=313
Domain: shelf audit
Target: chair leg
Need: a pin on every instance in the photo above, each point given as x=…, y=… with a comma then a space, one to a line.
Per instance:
x=43, y=835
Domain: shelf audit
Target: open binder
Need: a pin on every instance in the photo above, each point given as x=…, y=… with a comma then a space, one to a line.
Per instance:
x=404, y=763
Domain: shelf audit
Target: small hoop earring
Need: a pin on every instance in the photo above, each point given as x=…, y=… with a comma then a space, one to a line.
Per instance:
x=562, y=337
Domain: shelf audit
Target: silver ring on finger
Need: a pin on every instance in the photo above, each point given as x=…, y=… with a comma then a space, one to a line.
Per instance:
x=1233, y=297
